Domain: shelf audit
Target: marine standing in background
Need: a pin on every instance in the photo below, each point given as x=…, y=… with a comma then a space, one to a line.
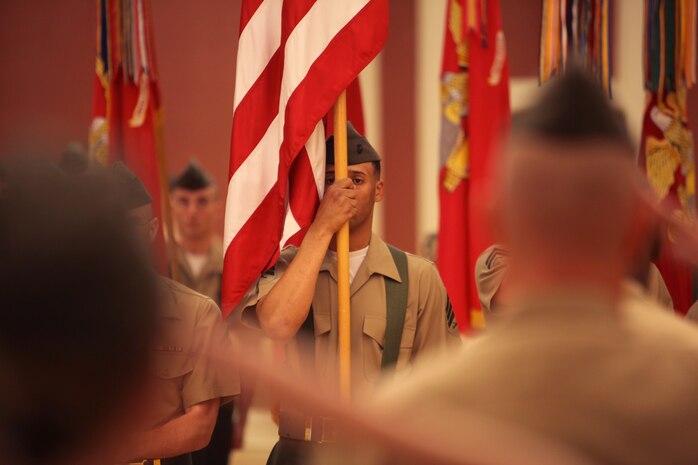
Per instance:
x=190, y=385
x=194, y=202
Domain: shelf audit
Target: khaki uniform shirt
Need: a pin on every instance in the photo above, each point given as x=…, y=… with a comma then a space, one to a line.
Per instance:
x=492, y=265
x=618, y=384
x=692, y=313
x=208, y=281
x=426, y=321
x=189, y=330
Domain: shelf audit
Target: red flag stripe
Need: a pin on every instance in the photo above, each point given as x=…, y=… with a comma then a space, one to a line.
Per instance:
x=305, y=189
x=260, y=253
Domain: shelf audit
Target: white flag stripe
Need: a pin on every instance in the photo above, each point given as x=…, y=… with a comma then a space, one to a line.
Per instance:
x=259, y=40
x=316, y=154
x=291, y=226
x=251, y=182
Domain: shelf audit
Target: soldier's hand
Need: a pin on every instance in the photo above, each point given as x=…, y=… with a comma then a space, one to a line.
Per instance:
x=337, y=206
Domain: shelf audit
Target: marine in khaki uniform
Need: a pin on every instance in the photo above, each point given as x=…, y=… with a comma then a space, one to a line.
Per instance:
x=190, y=386
x=194, y=203
x=572, y=362
x=491, y=270
x=299, y=297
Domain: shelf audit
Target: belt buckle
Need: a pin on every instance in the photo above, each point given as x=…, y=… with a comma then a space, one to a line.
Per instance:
x=329, y=433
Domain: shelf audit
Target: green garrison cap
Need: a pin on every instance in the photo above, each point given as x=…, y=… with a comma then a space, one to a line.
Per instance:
x=132, y=193
x=358, y=148
x=192, y=178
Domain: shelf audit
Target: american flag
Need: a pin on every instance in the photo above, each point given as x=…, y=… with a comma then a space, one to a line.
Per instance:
x=294, y=59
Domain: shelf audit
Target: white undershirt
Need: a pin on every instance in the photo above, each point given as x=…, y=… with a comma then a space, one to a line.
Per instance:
x=356, y=258
x=196, y=262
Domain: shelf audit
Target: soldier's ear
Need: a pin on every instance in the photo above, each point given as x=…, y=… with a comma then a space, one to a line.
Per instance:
x=153, y=227
x=379, y=190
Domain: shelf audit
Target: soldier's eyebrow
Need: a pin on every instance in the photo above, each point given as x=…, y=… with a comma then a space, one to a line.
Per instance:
x=358, y=172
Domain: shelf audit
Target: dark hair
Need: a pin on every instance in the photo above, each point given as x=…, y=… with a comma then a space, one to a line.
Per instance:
x=377, y=168
x=77, y=314
x=573, y=108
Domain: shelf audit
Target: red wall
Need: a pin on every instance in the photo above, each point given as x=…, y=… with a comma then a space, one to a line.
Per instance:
x=47, y=61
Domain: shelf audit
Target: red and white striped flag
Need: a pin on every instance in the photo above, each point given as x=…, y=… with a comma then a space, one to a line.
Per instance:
x=294, y=59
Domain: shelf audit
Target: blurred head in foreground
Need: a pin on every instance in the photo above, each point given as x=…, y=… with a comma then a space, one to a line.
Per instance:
x=76, y=316
x=569, y=203
x=136, y=200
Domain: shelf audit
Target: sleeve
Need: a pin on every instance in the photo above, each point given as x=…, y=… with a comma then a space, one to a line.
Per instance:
x=490, y=269
x=212, y=376
x=656, y=287
x=692, y=314
x=247, y=309
x=437, y=328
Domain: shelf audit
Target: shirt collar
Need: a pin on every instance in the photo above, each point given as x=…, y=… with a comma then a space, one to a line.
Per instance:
x=378, y=260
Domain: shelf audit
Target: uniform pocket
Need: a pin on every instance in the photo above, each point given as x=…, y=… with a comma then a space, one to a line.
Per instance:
x=406, y=345
x=171, y=365
x=322, y=324
x=373, y=339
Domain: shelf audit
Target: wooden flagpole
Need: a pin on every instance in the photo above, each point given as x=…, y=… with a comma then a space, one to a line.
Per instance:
x=165, y=199
x=341, y=171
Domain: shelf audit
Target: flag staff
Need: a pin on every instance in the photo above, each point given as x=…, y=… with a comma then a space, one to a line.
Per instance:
x=165, y=200
x=343, y=299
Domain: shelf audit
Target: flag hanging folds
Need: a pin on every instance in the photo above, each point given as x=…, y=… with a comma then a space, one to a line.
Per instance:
x=575, y=31
x=126, y=104
x=666, y=151
x=475, y=108
x=294, y=59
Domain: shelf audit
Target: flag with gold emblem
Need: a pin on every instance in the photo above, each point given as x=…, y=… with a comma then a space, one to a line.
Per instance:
x=126, y=104
x=475, y=107
x=666, y=152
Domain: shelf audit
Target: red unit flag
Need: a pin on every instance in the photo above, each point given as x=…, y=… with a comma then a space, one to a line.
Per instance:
x=126, y=103
x=475, y=108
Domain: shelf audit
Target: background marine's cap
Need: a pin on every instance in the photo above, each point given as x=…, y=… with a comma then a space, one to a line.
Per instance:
x=359, y=150
x=192, y=178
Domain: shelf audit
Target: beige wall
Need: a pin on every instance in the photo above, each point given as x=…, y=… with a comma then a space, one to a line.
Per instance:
x=627, y=86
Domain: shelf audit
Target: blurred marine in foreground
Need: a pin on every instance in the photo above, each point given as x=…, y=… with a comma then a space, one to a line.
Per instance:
x=191, y=378
x=76, y=322
x=567, y=361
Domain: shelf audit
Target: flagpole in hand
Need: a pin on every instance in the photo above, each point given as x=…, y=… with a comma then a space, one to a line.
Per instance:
x=344, y=313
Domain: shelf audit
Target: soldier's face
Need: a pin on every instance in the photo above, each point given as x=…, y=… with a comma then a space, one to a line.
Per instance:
x=194, y=212
x=369, y=190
